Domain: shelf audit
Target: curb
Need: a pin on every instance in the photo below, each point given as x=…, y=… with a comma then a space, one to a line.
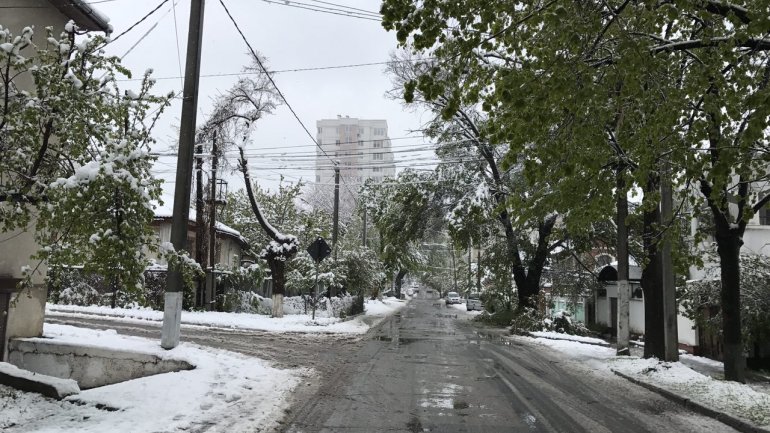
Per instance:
x=734, y=422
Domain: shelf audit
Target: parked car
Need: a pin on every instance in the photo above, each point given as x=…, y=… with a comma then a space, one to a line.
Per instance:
x=473, y=302
x=453, y=298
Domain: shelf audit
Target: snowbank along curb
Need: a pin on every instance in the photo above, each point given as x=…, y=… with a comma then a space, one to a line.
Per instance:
x=734, y=422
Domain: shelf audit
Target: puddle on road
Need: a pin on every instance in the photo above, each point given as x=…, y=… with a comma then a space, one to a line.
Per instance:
x=460, y=405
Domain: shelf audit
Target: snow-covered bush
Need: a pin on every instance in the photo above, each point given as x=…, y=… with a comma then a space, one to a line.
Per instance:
x=526, y=320
x=700, y=299
x=562, y=323
x=81, y=293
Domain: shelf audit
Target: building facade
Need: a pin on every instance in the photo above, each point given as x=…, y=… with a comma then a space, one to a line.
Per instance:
x=360, y=146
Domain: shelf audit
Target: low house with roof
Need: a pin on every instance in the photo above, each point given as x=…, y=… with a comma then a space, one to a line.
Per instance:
x=230, y=245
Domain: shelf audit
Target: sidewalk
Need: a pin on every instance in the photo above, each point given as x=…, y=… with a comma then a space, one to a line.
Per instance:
x=694, y=382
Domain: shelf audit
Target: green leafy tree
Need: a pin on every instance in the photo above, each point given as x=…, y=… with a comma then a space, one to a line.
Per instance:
x=673, y=90
x=76, y=163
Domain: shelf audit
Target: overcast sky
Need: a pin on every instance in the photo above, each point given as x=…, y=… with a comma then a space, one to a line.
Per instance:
x=290, y=38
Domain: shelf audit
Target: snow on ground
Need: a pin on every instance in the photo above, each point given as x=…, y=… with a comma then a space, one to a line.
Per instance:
x=730, y=397
x=376, y=310
x=225, y=392
x=560, y=336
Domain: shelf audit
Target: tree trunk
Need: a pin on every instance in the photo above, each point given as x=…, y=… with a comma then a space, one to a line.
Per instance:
x=652, y=281
x=729, y=244
x=399, y=280
x=529, y=288
x=277, y=268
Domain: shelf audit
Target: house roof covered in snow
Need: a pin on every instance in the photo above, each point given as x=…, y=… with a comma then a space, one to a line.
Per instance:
x=84, y=15
x=165, y=212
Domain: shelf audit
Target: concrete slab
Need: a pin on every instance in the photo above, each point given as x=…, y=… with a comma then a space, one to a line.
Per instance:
x=25, y=380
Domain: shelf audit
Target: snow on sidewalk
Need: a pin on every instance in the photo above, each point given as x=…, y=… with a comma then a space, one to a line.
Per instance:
x=226, y=391
x=735, y=399
x=289, y=323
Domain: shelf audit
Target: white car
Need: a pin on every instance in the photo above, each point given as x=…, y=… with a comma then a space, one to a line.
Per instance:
x=453, y=298
x=473, y=302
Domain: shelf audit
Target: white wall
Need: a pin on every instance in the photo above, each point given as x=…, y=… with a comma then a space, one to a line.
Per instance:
x=636, y=316
x=603, y=311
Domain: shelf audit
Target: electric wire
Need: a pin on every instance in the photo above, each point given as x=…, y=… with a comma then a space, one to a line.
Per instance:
x=141, y=20
x=262, y=67
x=289, y=3
x=281, y=71
x=176, y=35
x=336, y=8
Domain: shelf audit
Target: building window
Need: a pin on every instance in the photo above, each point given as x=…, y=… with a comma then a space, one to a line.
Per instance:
x=320, y=143
x=377, y=156
x=337, y=142
x=320, y=130
x=376, y=169
x=378, y=143
x=360, y=142
x=764, y=216
x=379, y=131
x=318, y=178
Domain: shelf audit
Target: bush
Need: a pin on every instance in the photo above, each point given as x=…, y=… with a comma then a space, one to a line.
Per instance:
x=526, y=320
x=563, y=324
x=499, y=318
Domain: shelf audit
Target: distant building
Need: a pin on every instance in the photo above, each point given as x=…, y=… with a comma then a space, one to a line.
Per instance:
x=362, y=148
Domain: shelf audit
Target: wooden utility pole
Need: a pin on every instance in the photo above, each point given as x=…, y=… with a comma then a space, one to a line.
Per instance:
x=336, y=218
x=172, y=314
x=623, y=286
x=200, y=229
x=670, y=329
x=212, y=280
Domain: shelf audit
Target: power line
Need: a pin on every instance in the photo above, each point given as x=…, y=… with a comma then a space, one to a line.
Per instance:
x=280, y=71
x=46, y=7
x=294, y=4
x=141, y=20
x=269, y=77
x=337, y=8
x=347, y=7
x=176, y=35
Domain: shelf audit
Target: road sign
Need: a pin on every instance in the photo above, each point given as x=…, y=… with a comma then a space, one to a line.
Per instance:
x=319, y=249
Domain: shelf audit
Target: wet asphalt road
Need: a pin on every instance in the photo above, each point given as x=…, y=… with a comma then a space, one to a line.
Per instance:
x=430, y=369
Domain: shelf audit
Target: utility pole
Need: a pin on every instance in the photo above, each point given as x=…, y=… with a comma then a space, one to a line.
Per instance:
x=670, y=330
x=363, y=230
x=200, y=230
x=212, y=280
x=454, y=267
x=172, y=310
x=623, y=286
x=336, y=221
x=470, y=269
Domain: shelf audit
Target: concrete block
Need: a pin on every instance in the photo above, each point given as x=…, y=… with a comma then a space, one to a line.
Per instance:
x=25, y=380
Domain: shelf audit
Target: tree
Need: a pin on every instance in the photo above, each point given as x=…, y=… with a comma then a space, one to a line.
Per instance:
x=404, y=211
x=464, y=143
x=76, y=162
x=680, y=85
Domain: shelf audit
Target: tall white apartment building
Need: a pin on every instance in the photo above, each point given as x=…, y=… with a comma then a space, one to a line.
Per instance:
x=361, y=146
